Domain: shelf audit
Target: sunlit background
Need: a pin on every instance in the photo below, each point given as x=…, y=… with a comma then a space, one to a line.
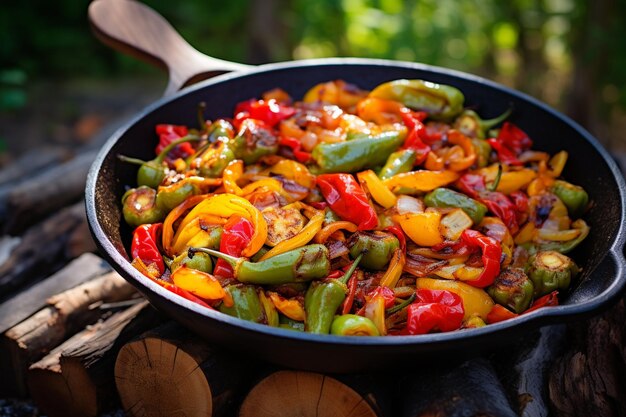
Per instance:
x=58, y=84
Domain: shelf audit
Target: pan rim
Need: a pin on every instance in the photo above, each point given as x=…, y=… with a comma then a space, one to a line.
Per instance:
x=537, y=318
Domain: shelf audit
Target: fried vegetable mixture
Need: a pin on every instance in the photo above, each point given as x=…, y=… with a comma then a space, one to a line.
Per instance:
x=394, y=211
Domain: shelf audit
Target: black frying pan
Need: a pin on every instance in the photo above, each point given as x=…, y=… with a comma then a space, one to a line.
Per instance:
x=601, y=255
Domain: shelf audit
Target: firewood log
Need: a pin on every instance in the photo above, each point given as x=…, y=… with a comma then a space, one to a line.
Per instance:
x=66, y=313
x=46, y=193
x=588, y=379
x=35, y=160
x=76, y=378
x=170, y=371
x=43, y=249
x=307, y=394
x=450, y=389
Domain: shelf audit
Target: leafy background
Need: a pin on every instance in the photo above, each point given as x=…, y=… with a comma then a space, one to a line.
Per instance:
x=568, y=53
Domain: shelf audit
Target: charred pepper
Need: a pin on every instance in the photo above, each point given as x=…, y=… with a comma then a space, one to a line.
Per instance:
x=550, y=271
x=573, y=196
x=246, y=304
x=447, y=198
x=376, y=246
x=512, y=289
x=298, y=265
x=139, y=206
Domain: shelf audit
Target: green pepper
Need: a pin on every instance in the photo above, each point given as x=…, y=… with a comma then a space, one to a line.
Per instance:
x=512, y=289
x=438, y=100
x=172, y=195
x=447, y=198
x=573, y=196
x=201, y=262
x=253, y=141
x=483, y=152
x=353, y=325
x=397, y=163
x=470, y=124
x=330, y=216
x=212, y=159
x=152, y=173
x=290, y=324
x=220, y=130
x=297, y=265
x=246, y=303
x=139, y=206
x=550, y=271
x=357, y=154
x=377, y=248
x=322, y=300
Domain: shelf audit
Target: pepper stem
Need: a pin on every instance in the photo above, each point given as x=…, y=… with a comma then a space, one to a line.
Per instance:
x=496, y=181
x=201, y=119
x=232, y=261
x=488, y=124
x=130, y=160
x=351, y=270
x=188, y=138
x=403, y=304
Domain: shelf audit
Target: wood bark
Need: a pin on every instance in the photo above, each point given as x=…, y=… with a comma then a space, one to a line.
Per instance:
x=44, y=248
x=76, y=378
x=305, y=394
x=46, y=193
x=588, y=380
x=169, y=371
x=66, y=314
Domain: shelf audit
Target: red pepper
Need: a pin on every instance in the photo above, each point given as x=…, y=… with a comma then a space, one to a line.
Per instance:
x=346, y=197
x=434, y=310
x=413, y=141
x=397, y=232
x=511, y=142
x=514, y=138
x=497, y=202
x=491, y=254
x=184, y=293
x=320, y=205
x=499, y=313
x=168, y=134
x=349, y=301
x=385, y=292
x=271, y=112
x=296, y=146
x=144, y=245
x=520, y=200
x=236, y=236
x=548, y=300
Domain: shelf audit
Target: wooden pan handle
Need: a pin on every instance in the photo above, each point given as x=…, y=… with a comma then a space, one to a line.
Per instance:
x=138, y=30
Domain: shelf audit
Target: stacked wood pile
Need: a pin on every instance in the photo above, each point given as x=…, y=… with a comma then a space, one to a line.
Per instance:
x=79, y=341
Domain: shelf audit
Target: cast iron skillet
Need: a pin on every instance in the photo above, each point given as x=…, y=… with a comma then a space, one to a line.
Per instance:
x=601, y=254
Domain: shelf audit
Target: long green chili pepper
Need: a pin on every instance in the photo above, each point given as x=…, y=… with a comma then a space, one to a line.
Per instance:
x=400, y=306
x=398, y=163
x=246, y=303
x=496, y=181
x=298, y=265
x=322, y=300
x=377, y=248
x=357, y=154
x=440, y=101
x=447, y=198
x=152, y=173
x=573, y=196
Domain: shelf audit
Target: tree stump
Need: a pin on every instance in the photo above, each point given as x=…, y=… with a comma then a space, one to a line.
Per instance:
x=304, y=394
x=169, y=371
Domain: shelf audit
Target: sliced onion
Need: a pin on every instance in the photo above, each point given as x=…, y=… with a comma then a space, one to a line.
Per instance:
x=337, y=249
x=407, y=204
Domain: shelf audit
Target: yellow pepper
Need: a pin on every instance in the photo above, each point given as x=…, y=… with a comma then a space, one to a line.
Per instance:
x=305, y=236
x=198, y=283
x=291, y=308
x=421, y=228
x=422, y=180
x=225, y=205
x=394, y=270
x=335, y=92
x=292, y=170
x=476, y=301
x=380, y=111
x=459, y=164
x=515, y=180
x=380, y=193
x=232, y=172
x=557, y=163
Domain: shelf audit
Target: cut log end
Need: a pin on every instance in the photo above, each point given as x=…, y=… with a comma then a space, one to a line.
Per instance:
x=53, y=391
x=157, y=378
x=304, y=394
